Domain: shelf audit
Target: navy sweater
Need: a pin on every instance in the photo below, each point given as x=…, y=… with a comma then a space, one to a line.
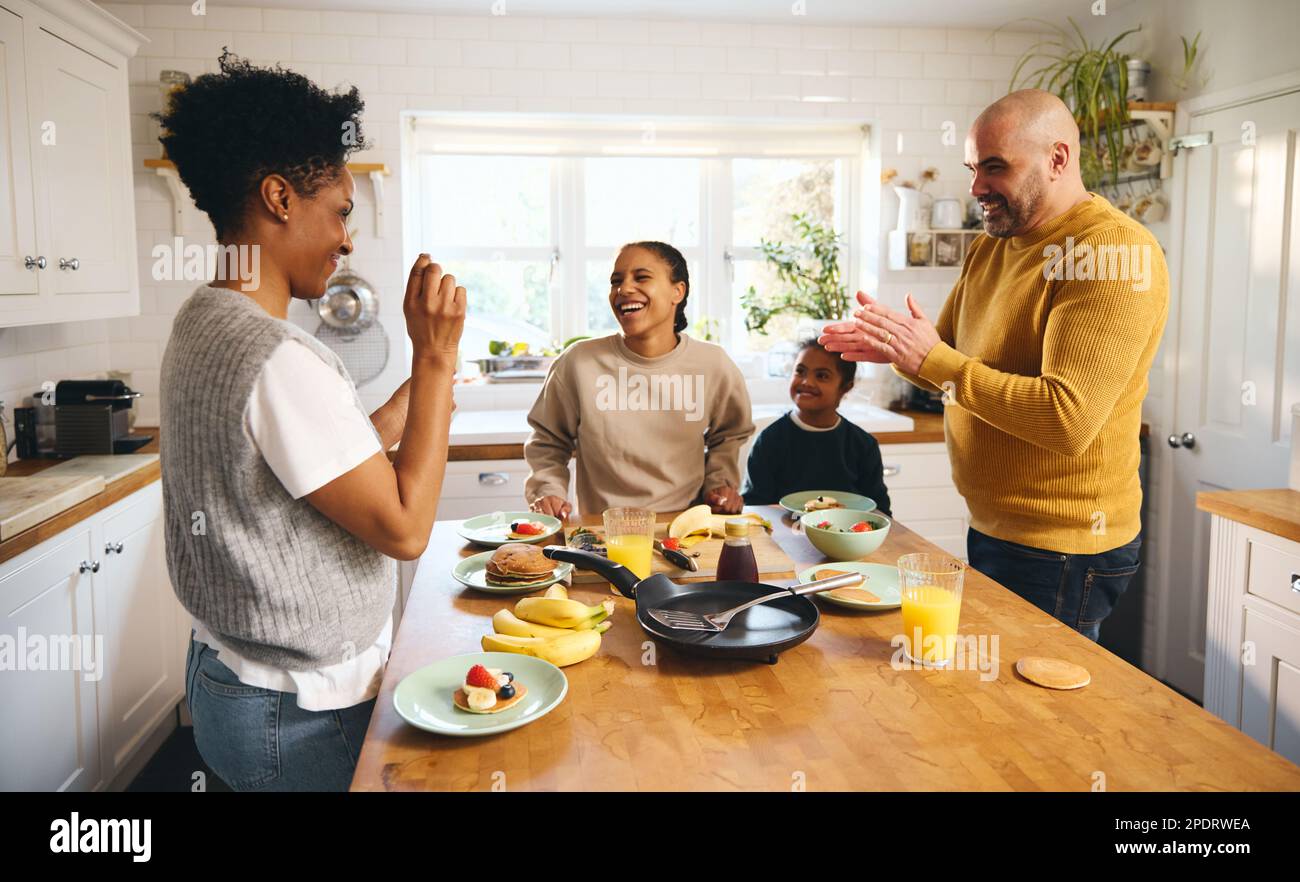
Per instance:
x=788, y=459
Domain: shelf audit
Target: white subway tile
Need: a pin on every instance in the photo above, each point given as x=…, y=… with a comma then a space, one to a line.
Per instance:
x=939, y=116
x=674, y=33
x=320, y=47
x=913, y=91
x=518, y=83
x=751, y=108
x=623, y=30
x=490, y=104
x=874, y=39
x=598, y=105
x=729, y=87
x=232, y=18
x=201, y=44
x=172, y=17
x=364, y=76
x=406, y=25
x=922, y=40
x=972, y=92
x=943, y=65
x=434, y=53
x=899, y=64
x=800, y=109
x=826, y=38
x=675, y=85
x=646, y=58
x=899, y=116
x=262, y=47
x=571, y=30
x=726, y=34
x=595, y=56
x=856, y=110
x=971, y=41
x=515, y=28
x=546, y=105
x=291, y=21
x=850, y=63
x=425, y=102
x=487, y=53
x=378, y=50
x=350, y=23
x=623, y=85
x=777, y=36
x=997, y=68
x=567, y=84
x=825, y=89
x=465, y=83
x=462, y=27
x=772, y=87
x=407, y=79
x=543, y=56
x=161, y=43
x=700, y=59
x=875, y=90
x=800, y=61
x=1014, y=42
x=751, y=60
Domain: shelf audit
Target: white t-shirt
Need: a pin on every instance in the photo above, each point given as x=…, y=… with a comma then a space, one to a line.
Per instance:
x=304, y=419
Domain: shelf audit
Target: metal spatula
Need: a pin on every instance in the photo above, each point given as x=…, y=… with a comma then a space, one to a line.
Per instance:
x=683, y=620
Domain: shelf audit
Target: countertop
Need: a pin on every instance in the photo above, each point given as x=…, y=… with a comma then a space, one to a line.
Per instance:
x=112, y=492
x=832, y=714
x=1274, y=511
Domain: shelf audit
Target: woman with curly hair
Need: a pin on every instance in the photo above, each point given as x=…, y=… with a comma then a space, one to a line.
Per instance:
x=282, y=510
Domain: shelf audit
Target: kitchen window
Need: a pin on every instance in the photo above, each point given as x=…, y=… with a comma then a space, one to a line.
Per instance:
x=528, y=212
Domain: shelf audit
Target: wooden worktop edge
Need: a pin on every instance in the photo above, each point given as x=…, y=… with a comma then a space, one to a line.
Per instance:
x=1273, y=511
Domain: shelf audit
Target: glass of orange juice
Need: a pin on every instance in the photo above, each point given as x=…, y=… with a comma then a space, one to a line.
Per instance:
x=629, y=538
x=930, y=585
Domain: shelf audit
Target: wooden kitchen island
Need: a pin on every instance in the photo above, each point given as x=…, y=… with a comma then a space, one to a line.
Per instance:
x=832, y=714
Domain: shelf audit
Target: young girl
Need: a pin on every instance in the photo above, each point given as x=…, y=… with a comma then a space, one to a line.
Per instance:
x=655, y=418
x=812, y=447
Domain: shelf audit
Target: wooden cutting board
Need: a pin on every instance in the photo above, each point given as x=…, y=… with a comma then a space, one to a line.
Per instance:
x=25, y=502
x=773, y=563
x=110, y=467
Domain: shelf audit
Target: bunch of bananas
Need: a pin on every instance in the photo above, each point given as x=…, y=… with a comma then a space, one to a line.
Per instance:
x=552, y=628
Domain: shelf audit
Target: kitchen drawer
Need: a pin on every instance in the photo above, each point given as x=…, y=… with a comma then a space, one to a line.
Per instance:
x=916, y=469
x=1270, y=693
x=486, y=479
x=926, y=503
x=1274, y=571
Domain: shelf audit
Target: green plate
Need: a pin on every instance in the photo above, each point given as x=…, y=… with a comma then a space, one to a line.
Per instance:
x=472, y=573
x=793, y=502
x=880, y=579
x=492, y=529
x=424, y=697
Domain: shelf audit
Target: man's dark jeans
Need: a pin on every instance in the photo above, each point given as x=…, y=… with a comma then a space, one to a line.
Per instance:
x=1078, y=589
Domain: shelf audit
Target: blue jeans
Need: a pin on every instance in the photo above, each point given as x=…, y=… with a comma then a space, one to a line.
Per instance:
x=259, y=739
x=1078, y=589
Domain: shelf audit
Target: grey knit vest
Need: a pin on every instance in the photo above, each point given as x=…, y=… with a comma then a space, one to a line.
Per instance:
x=269, y=575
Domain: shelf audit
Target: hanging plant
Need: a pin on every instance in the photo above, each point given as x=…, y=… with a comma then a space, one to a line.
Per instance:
x=1092, y=80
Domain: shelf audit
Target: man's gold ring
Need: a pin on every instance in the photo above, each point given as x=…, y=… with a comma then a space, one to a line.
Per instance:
x=889, y=335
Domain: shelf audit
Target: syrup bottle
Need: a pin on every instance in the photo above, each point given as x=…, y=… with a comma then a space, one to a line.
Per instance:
x=737, y=563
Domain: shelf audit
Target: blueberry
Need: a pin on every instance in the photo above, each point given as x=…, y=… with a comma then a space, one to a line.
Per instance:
x=506, y=691
x=507, y=676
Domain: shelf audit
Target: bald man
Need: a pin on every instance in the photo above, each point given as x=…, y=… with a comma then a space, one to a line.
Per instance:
x=1041, y=351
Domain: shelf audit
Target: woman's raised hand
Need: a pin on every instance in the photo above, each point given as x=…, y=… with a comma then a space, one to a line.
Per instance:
x=434, y=307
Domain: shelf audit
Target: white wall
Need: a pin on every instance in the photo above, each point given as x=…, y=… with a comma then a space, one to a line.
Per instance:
x=901, y=81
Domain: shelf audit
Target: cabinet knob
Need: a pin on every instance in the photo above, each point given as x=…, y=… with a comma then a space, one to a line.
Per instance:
x=33, y=263
x=70, y=263
x=891, y=470
x=492, y=479
x=112, y=547
x=88, y=567
x=1295, y=582
x=1187, y=439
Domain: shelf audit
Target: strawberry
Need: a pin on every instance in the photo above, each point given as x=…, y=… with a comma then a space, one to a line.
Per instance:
x=672, y=544
x=861, y=527
x=479, y=676
x=526, y=528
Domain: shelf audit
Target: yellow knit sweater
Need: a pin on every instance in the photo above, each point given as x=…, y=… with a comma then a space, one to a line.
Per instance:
x=1047, y=340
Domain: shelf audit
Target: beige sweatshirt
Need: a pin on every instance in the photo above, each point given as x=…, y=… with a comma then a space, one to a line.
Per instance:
x=654, y=433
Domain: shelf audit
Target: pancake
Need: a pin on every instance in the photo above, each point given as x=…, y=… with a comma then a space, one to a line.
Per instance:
x=461, y=700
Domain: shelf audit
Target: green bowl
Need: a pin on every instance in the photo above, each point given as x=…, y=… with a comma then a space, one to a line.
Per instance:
x=845, y=546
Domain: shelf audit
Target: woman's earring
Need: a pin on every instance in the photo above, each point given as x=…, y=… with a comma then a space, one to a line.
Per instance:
x=286, y=217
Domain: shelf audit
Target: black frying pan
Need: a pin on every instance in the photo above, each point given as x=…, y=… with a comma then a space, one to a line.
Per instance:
x=759, y=633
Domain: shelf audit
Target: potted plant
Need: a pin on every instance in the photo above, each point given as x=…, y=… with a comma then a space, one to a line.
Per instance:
x=1092, y=80
x=810, y=272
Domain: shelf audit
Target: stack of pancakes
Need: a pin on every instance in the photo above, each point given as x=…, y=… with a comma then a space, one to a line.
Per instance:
x=518, y=564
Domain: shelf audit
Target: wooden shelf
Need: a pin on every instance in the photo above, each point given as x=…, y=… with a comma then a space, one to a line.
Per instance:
x=903, y=247
x=166, y=169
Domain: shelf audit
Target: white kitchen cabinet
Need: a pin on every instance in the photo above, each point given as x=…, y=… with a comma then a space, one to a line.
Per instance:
x=142, y=618
x=75, y=728
x=922, y=495
x=67, y=237
x=1252, y=646
x=52, y=731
